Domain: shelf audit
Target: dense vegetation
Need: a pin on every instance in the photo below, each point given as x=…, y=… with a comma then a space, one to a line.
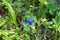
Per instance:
x=29, y=20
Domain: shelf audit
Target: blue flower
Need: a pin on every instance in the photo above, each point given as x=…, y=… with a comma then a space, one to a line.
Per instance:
x=30, y=21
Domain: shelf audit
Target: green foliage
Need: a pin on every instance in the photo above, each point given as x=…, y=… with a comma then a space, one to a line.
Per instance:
x=11, y=11
x=13, y=15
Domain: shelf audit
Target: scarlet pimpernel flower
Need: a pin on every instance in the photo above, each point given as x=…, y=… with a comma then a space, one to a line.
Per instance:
x=30, y=21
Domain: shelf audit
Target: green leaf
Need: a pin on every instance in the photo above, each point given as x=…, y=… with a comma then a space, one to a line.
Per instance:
x=11, y=12
x=51, y=11
x=8, y=1
x=27, y=37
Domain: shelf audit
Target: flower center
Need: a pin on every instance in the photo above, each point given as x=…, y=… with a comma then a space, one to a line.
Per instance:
x=30, y=20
